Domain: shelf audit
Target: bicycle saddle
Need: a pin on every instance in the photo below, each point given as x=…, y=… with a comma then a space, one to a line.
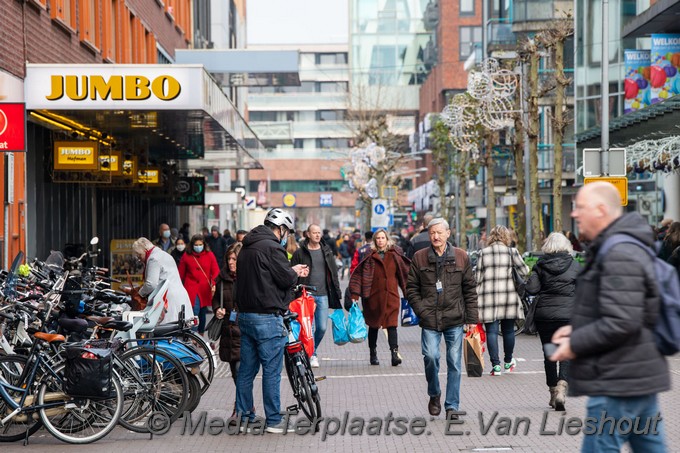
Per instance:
x=122, y=326
x=73, y=324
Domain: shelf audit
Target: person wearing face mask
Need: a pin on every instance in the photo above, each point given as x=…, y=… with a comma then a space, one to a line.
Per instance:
x=178, y=250
x=198, y=270
x=164, y=241
x=158, y=268
x=262, y=293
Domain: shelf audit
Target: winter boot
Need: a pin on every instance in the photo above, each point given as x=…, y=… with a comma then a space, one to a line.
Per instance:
x=561, y=395
x=374, y=357
x=553, y=393
x=396, y=358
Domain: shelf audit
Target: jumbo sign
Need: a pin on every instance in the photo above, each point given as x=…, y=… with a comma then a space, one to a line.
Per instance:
x=117, y=88
x=114, y=87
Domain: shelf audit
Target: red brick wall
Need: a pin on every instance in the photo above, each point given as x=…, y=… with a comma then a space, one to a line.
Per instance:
x=448, y=74
x=48, y=42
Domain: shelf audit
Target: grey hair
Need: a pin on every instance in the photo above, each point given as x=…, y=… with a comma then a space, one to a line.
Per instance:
x=142, y=245
x=437, y=221
x=557, y=242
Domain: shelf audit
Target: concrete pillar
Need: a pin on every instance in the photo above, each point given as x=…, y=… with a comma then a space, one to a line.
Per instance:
x=671, y=187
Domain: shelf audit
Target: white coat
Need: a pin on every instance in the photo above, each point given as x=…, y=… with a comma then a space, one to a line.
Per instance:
x=161, y=266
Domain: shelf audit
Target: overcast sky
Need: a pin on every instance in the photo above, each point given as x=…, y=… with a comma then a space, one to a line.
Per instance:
x=297, y=21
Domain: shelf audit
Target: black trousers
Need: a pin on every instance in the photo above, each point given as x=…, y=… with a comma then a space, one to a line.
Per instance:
x=546, y=329
x=391, y=337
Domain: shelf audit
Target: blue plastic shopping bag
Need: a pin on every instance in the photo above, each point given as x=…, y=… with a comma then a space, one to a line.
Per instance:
x=340, y=335
x=408, y=316
x=356, y=325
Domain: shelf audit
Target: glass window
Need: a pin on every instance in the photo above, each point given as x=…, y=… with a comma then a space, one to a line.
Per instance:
x=331, y=58
x=467, y=7
x=332, y=143
x=330, y=115
x=469, y=37
x=262, y=116
x=298, y=143
x=332, y=87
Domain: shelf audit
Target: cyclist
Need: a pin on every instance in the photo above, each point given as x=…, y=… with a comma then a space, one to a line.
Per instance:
x=262, y=293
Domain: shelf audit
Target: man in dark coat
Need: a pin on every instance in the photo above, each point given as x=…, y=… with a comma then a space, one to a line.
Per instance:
x=421, y=240
x=610, y=342
x=218, y=245
x=443, y=293
x=323, y=274
x=262, y=293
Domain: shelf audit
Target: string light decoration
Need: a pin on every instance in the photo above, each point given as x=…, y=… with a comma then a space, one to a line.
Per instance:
x=654, y=156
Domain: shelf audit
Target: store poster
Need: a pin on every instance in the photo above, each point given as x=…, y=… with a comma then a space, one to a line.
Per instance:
x=637, y=90
x=663, y=77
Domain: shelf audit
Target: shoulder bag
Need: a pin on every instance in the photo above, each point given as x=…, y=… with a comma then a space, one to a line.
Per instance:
x=212, y=286
x=214, y=327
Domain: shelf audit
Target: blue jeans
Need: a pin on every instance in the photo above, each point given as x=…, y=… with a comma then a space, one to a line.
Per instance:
x=453, y=337
x=201, y=313
x=262, y=340
x=508, y=327
x=609, y=410
x=320, y=320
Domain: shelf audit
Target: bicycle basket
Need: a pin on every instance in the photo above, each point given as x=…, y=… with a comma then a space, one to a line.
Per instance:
x=88, y=372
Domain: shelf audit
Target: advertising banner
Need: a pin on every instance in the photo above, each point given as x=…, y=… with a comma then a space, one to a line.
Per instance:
x=665, y=59
x=124, y=262
x=12, y=127
x=637, y=90
x=79, y=155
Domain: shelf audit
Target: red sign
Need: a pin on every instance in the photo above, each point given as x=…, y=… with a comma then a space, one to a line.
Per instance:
x=12, y=127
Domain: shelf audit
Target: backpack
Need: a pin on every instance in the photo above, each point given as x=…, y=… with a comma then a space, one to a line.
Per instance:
x=667, y=328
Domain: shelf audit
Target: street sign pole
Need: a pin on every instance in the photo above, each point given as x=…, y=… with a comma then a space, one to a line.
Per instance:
x=604, y=102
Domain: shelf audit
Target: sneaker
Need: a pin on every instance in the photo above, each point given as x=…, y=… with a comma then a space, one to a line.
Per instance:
x=280, y=428
x=510, y=366
x=314, y=361
x=496, y=371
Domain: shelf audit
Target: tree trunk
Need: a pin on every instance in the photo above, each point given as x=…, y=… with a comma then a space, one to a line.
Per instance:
x=490, y=193
x=462, y=210
x=518, y=151
x=559, y=125
x=532, y=132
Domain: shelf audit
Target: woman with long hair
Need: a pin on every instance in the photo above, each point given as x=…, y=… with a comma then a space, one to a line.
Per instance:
x=553, y=281
x=498, y=302
x=224, y=307
x=377, y=280
x=198, y=270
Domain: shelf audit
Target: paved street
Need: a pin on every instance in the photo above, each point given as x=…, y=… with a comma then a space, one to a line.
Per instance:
x=353, y=386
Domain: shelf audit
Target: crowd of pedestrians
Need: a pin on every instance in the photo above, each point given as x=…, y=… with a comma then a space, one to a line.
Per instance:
x=599, y=315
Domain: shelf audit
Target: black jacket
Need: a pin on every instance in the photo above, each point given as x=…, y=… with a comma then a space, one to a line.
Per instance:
x=302, y=256
x=418, y=242
x=218, y=245
x=265, y=276
x=553, y=279
x=615, y=309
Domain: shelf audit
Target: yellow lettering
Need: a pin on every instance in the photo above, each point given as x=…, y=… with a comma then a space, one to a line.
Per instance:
x=166, y=88
x=137, y=88
x=57, y=88
x=113, y=88
x=71, y=85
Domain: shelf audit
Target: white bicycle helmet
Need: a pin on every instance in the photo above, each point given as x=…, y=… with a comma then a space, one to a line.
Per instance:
x=279, y=217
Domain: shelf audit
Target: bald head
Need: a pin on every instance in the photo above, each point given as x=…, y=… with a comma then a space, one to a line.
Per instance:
x=597, y=205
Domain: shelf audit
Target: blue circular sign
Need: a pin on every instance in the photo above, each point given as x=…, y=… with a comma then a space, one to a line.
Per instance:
x=379, y=209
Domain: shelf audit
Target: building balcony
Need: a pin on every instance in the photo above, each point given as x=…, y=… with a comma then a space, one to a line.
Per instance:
x=501, y=37
x=534, y=15
x=297, y=101
x=273, y=131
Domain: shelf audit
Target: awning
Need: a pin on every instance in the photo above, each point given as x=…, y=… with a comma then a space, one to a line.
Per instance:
x=174, y=111
x=661, y=17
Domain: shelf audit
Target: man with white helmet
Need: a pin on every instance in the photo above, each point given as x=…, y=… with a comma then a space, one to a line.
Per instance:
x=262, y=294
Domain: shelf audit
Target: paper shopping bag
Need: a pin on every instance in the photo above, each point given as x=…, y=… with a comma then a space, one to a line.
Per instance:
x=473, y=353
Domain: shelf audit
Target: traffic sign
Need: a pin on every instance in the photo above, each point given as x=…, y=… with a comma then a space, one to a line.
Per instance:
x=591, y=162
x=289, y=200
x=389, y=192
x=621, y=184
x=381, y=216
x=250, y=202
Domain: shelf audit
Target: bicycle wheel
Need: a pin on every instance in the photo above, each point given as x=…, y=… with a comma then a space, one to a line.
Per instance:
x=207, y=371
x=151, y=383
x=22, y=425
x=194, y=393
x=78, y=420
x=303, y=384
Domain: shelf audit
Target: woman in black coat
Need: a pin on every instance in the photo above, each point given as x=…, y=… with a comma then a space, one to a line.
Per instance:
x=553, y=281
x=223, y=305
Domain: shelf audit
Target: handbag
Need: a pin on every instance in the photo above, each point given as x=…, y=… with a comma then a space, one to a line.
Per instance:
x=529, y=318
x=517, y=280
x=214, y=327
x=408, y=316
x=473, y=351
x=305, y=306
x=340, y=334
x=356, y=325
x=212, y=285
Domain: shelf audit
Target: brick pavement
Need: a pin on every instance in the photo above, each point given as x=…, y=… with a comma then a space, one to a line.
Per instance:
x=374, y=391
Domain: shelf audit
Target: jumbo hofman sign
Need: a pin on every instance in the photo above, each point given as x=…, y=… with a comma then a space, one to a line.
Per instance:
x=161, y=87
x=79, y=155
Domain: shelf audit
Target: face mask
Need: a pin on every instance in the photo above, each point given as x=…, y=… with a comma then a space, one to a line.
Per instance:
x=181, y=247
x=198, y=248
x=166, y=234
x=284, y=241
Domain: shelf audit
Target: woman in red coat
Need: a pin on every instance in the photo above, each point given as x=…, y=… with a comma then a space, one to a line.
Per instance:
x=198, y=270
x=377, y=280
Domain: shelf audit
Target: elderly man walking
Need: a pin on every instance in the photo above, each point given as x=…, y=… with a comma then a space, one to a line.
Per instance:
x=442, y=291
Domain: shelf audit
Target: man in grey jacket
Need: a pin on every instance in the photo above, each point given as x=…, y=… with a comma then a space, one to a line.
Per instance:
x=611, y=337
